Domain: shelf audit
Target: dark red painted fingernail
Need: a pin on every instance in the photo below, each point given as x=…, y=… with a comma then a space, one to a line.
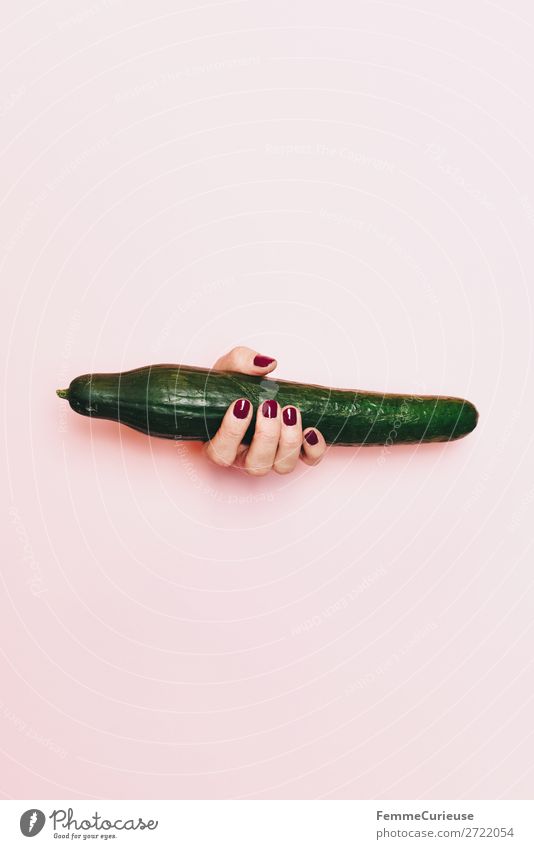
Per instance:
x=290, y=416
x=263, y=362
x=269, y=409
x=311, y=438
x=241, y=408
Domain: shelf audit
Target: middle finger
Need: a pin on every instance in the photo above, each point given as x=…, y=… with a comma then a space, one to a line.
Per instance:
x=262, y=451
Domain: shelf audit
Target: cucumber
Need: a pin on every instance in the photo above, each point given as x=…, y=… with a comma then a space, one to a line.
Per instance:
x=187, y=403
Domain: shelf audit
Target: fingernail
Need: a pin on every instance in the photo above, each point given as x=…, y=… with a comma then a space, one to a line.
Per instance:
x=241, y=408
x=311, y=438
x=290, y=416
x=269, y=409
x=263, y=362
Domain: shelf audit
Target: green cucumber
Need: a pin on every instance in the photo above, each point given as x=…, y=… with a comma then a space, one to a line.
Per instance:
x=186, y=403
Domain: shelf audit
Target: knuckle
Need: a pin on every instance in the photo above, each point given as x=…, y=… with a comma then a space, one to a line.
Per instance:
x=291, y=441
x=282, y=468
x=237, y=352
x=257, y=471
x=218, y=458
x=232, y=432
x=268, y=437
x=224, y=462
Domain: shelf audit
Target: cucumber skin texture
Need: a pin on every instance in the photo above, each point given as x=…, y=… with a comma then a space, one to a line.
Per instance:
x=188, y=403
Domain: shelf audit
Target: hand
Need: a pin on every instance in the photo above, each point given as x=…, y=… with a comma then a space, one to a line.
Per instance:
x=278, y=439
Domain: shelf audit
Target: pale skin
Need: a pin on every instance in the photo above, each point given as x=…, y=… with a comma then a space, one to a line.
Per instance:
x=279, y=440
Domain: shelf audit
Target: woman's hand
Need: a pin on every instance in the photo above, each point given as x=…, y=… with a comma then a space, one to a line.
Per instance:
x=278, y=439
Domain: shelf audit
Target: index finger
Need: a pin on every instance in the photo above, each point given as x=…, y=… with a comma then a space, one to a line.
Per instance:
x=223, y=448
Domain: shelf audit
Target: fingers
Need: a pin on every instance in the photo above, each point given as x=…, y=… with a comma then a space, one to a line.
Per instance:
x=277, y=443
x=290, y=441
x=260, y=456
x=226, y=443
x=313, y=446
x=246, y=361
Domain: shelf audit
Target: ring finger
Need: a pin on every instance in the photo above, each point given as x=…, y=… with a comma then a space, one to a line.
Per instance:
x=290, y=443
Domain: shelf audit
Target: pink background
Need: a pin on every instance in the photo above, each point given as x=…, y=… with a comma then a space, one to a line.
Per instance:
x=348, y=187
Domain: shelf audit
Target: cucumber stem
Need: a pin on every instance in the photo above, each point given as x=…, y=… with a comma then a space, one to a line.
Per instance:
x=63, y=393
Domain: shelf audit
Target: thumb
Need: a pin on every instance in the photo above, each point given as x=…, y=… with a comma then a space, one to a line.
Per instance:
x=246, y=361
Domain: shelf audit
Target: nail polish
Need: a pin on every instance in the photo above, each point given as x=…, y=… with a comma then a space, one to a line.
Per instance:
x=263, y=362
x=241, y=408
x=269, y=409
x=311, y=438
x=290, y=416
